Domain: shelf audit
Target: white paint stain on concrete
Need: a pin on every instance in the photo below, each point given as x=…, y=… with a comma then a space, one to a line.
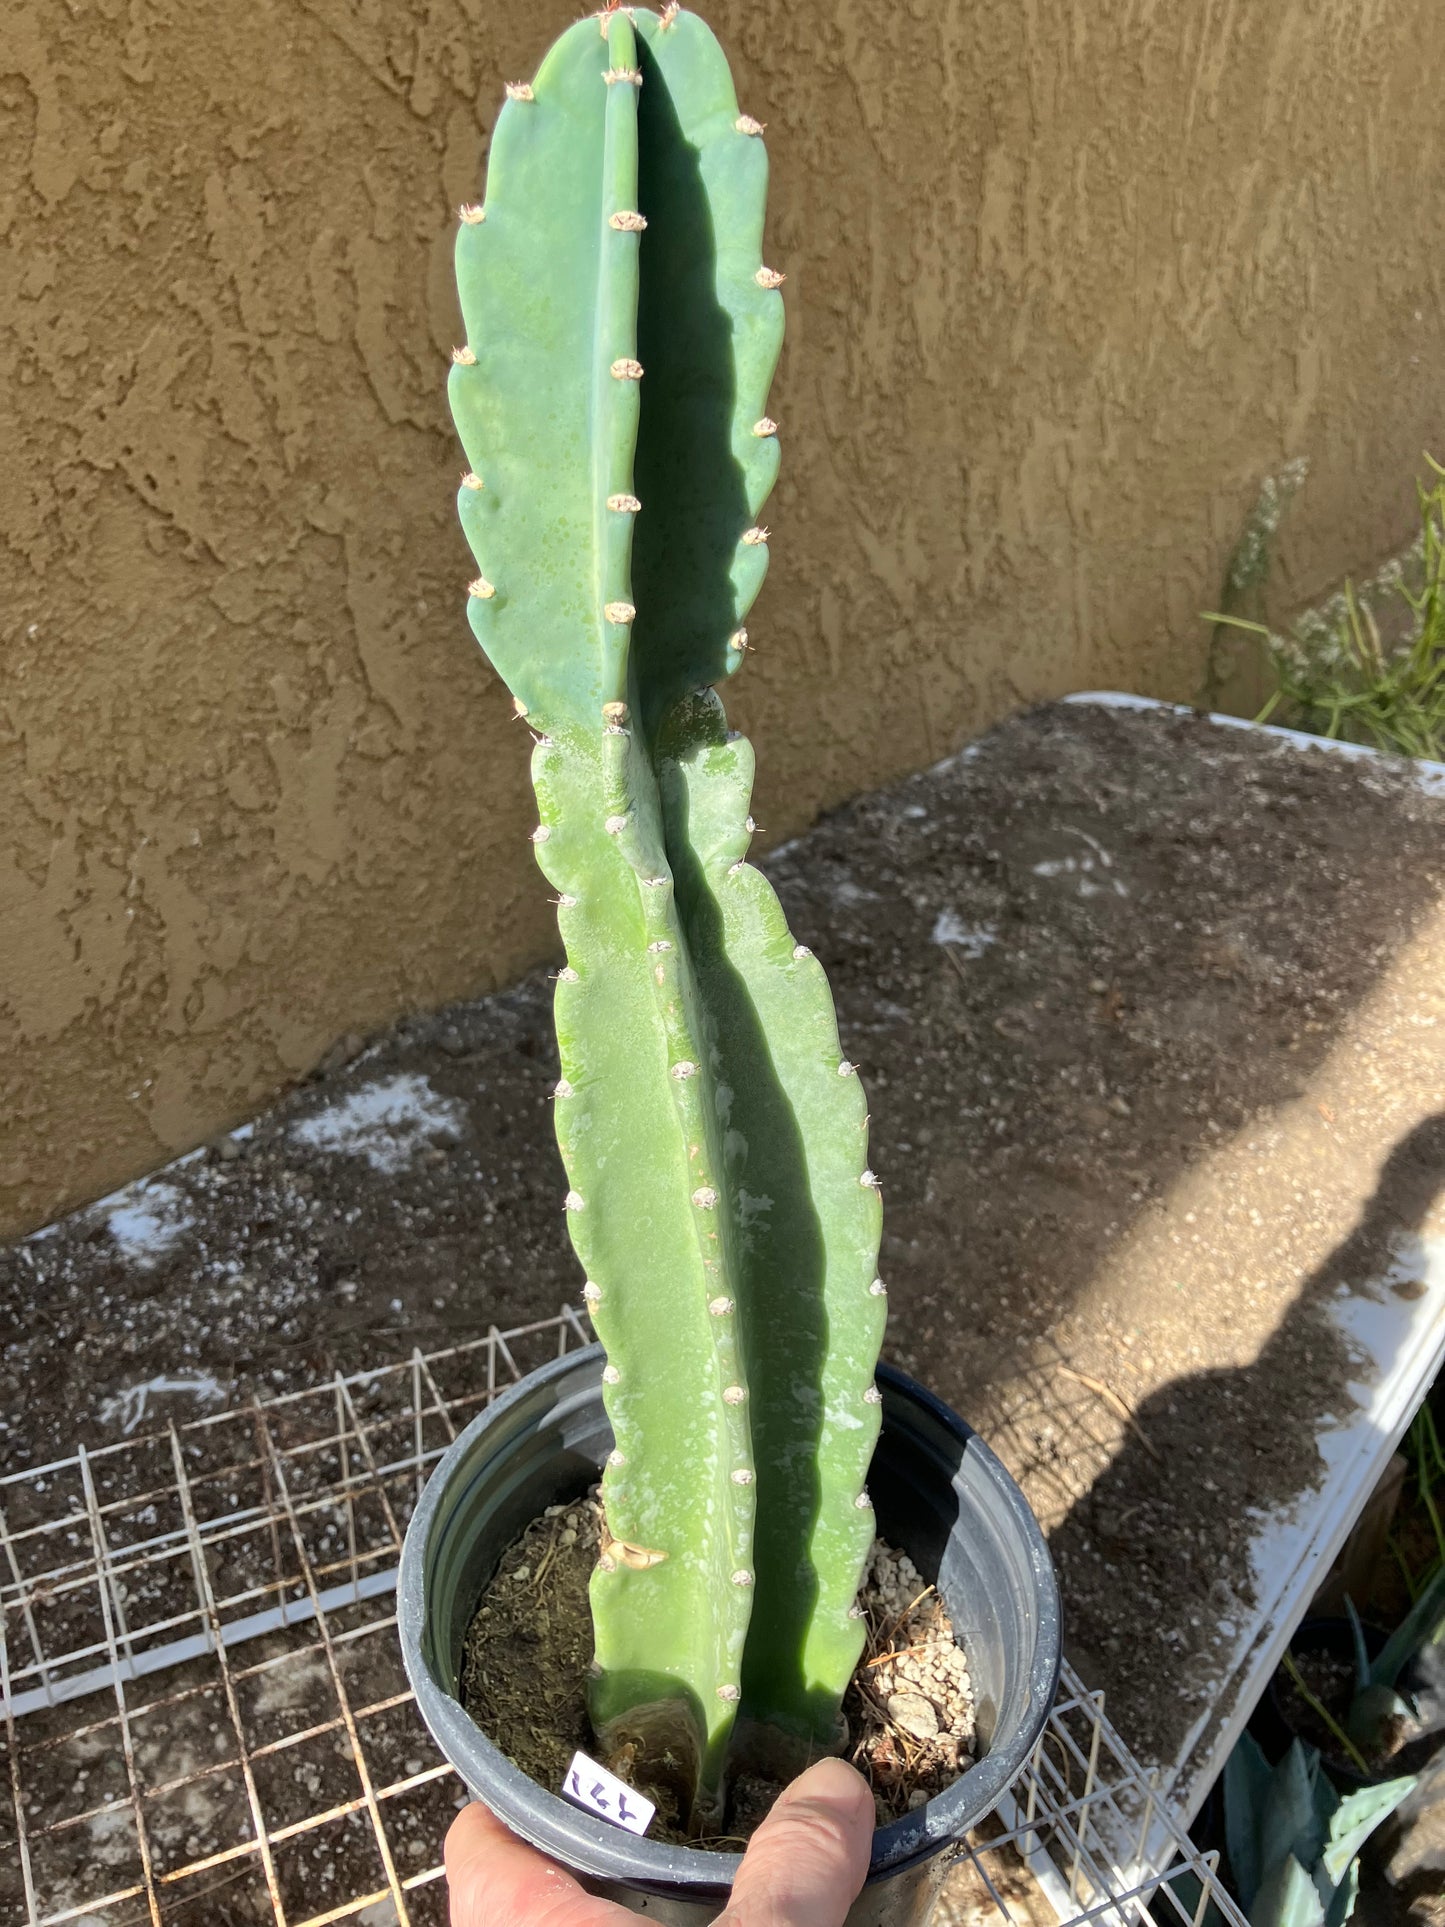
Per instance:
x=146, y=1219
x=129, y=1406
x=387, y=1123
x=971, y=938
x=1088, y=871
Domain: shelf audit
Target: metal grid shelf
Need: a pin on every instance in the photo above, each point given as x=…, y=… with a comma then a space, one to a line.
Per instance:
x=206, y=1718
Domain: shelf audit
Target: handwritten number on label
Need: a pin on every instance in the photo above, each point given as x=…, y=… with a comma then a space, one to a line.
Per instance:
x=593, y=1787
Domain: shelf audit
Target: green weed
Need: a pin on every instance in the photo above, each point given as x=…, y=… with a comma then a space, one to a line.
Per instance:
x=1417, y=1541
x=1335, y=674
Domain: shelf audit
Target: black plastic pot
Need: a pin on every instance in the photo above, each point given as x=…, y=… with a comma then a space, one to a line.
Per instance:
x=1272, y=1722
x=939, y=1493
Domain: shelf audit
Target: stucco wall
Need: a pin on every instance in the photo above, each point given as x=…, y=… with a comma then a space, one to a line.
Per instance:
x=1063, y=285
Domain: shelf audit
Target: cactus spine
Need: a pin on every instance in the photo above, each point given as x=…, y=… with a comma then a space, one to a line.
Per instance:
x=622, y=331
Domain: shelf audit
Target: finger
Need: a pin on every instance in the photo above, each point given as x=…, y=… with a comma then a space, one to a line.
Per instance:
x=496, y=1880
x=807, y=1861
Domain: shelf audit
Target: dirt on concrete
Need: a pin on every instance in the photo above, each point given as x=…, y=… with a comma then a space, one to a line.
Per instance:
x=1150, y=1017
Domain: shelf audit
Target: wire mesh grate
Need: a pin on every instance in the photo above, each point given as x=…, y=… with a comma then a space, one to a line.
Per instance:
x=206, y=1718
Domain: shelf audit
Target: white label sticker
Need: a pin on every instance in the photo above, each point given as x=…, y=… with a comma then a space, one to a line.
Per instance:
x=593, y=1787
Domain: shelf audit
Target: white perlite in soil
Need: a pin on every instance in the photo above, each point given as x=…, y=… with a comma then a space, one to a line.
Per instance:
x=911, y=1702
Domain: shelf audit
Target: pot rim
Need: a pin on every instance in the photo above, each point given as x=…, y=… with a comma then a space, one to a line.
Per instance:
x=569, y=1833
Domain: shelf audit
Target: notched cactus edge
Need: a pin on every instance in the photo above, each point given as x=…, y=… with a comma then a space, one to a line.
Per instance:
x=622, y=331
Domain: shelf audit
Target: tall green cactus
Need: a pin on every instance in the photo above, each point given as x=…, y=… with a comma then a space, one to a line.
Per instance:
x=622, y=332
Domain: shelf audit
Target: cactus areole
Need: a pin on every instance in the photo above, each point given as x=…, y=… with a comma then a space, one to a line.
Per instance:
x=622, y=329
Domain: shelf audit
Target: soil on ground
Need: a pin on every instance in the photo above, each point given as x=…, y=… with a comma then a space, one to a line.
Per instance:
x=1150, y=1018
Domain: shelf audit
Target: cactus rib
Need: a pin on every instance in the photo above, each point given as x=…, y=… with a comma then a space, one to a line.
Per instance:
x=810, y=1228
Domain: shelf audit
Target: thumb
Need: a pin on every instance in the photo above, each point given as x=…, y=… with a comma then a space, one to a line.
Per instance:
x=808, y=1859
x=496, y=1881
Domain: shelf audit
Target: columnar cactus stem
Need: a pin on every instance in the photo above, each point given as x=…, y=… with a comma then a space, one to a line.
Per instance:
x=621, y=335
x=810, y=1218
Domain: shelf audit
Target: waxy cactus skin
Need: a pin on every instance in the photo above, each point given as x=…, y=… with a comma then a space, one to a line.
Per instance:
x=622, y=332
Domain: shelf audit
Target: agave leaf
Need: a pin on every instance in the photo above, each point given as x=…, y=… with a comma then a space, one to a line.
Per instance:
x=1292, y=1822
x=1247, y=1778
x=1340, y=1904
x=1362, y=1656
x=1326, y=1799
x=1287, y=1898
x=1358, y=1816
x=1421, y=1625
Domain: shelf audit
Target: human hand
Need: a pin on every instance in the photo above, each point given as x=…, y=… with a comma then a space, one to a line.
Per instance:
x=803, y=1868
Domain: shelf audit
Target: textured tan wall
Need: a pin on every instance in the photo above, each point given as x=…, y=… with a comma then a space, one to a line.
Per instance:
x=1064, y=283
